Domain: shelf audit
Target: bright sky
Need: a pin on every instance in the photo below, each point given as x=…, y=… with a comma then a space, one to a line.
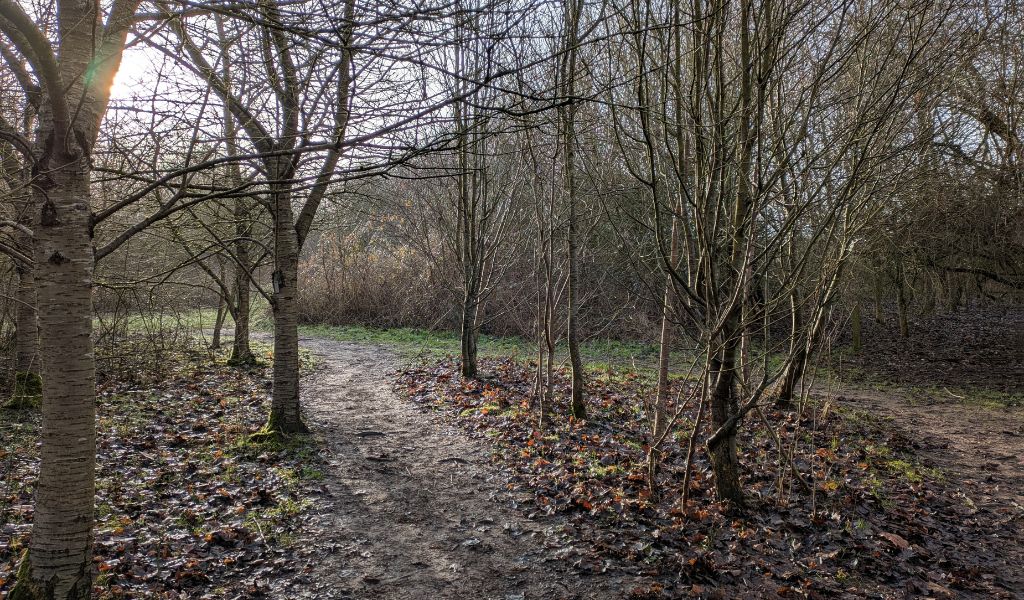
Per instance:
x=136, y=63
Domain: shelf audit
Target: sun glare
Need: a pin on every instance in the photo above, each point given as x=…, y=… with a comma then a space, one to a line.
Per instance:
x=130, y=78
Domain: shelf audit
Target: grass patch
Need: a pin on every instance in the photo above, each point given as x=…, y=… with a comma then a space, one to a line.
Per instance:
x=617, y=360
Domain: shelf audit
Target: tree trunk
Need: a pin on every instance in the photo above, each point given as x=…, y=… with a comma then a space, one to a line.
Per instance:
x=879, y=315
x=928, y=308
x=724, y=461
x=661, y=400
x=241, y=352
x=797, y=349
x=664, y=352
x=856, y=327
x=76, y=79
x=285, y=409
x=469, y=337
x=27, y=330
x=471, y=232
x=572, y=17
x=539, y=374
x=901, y=305
x=218, y=323
x=724, y=401
x=59, y=560
x=579, y=407
x=952, y=293
x=27, y=385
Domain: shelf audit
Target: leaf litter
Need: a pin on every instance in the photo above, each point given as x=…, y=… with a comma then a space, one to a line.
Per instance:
x=185, y=505
x=185, y=509
x=878, y=525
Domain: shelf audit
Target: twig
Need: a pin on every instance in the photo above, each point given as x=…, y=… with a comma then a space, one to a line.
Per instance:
x=691, y=450
x=778, y=443
x=951, y=393
x=260, y=529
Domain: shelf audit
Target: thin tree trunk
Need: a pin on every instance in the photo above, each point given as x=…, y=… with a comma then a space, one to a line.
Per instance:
x=745, y=340
x=27, y=384
x=661, y=401
x=285, y=409
x=856, y=328
x=901, y=302
x=797, y=349
x=26, y=343
x=27, y=331
x=952, y=293
x=579, y=408
x=469, y=337
x=691, y=450
x=928, y=307
x=241, y=352
x=538, y=380
x=218, y=323
x=469, y=246
x=879, y=315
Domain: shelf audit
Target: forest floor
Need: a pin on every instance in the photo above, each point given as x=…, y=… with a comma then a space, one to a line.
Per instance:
x=415, y=484
x=416, y=509
x=427, y=502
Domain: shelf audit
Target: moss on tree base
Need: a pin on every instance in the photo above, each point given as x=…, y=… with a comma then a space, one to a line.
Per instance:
x=249, y=360
x=28, y=588
x=28, y=391
x=276, y=432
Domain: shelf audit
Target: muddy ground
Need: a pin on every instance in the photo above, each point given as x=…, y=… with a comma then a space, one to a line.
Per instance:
x=412, y=508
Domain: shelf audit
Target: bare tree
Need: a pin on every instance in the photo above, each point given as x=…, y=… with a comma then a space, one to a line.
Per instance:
x=74, y=77
x=786, y=140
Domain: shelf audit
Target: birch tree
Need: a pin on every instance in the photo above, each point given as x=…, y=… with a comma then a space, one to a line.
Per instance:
x=73, y=67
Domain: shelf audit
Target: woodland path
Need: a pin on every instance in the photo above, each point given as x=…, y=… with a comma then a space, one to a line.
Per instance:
x=964, y=441
x=977, y=448
x=412, y=508
x=418, y=512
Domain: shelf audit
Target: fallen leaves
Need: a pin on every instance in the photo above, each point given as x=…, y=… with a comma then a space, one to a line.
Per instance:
x=182, y=499
x=876, y=515
x=896, y=540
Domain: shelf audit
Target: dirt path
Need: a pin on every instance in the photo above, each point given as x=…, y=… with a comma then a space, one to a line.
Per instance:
x=413, y=509
x=966, y=442
x=979, y=449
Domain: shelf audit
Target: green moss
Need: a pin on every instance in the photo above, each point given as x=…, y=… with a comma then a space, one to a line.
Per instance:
x=28, y=391
x=24, y=588
x=28, y=588
x=275, y=432
x=268, y=435
x=488, y=407
x=250, y=361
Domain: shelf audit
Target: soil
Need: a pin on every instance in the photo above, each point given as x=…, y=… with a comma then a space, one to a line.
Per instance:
x=412, y=509
x=978, y=449
x=980, y=347
x=964, y=441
